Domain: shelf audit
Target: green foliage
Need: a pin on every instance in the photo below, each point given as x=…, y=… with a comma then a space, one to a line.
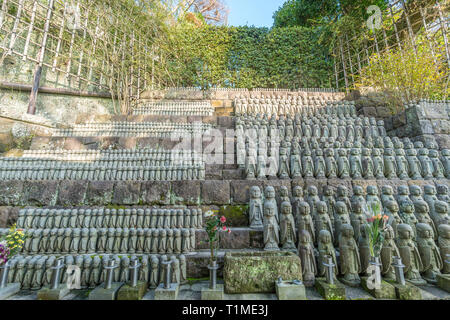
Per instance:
x=408, y=76
x=246, y=57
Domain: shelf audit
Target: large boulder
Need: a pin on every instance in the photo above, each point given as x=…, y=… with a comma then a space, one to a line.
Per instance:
x=256, y=272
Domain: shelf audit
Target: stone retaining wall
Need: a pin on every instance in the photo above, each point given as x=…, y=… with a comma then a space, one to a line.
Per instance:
x=422, y=124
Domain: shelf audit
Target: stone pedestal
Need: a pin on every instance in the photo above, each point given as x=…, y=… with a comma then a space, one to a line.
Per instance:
x=406, y=292
x=213, y=294
x=132, y=293
x=328, y=291
x=47, y=293
x=100, y=293
x=288, y=290
x=10, y=290
x=443, y=281
x=162, y=293
x=386, y=291
x=348, y=283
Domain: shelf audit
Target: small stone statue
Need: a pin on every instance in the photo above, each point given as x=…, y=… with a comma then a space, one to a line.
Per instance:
x=409, y=254
x=429, y=253
x=378, y=164
x=271, y=228
x=287, y=227
x=326, y=249
x=343, y=165
x=364, y=250
x=389, y=250
x=269, y=194
x=323, y=221
x=349, y=259
x=305, y=221
x=423, y=215
x=367, y=164
x=306, y=254
x=426, y=164
x=444, y=245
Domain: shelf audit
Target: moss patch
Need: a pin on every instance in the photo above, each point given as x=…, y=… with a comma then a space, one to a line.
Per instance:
x=237, y=215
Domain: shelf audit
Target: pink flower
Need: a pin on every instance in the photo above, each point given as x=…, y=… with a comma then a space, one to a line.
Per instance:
x=224, y=228
x=223, y=219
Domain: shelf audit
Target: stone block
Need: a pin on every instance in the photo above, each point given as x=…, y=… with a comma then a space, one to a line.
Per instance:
x=225, y=122
x=383, y=112
x=127, y=292
x=335, y=183
x=388, y=124
x=399, y=120
x=213, y=294
x=216, y=192
x=237, y=215
x=217, y=103
x=72, y=193
x=443, y=282
x=201, y=240
x=214, y=172
x=72, y=143
x=239, y=238
x=261, y=270
x=4, y=216
x=287, y=290
x=256, y=239
x=47, y=293
x=443, y=141
x=232, y=174
x=426, y=127
x=11, y=193
x=40, y=143
x=370, y=112
x=99, y=193
x=186, y=192
x=156, y=193
x=100, y=293
x=328, y=291
x=127, y=143
x=40, y=193
x=406, y=292
x=386, y=291
x=10, y=290
x=240, y=190
x=167, y=294
x=126, y=193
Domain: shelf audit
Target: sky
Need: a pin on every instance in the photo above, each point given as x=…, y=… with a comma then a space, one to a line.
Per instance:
x=256, y=13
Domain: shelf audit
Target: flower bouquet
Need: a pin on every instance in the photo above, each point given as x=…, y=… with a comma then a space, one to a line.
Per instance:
x=213, y=225
x=11, y=244
x=375, y=227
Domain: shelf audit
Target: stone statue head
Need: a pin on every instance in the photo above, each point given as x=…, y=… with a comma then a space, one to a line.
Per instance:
x=372, y=190
x=304, y=208
x=405, y=231
x=389, y=233
x=284, y=192
x=322, y=207
x=298, y=192
x=441, y=207
x=324, y=236
x=444, y=231
x=312, y=191
x=286, y=208
x=347, y=231
x=269, y=192
x=424, y=231
x=415, y=190
x=342, y=191
x=328, y=191
x=403, y=190
x=442, y=189
x=305, y=237
x=392, y=206
x=358, y=190
x=429, y=190
x=341, y=208
x=269, y=209
x=407, y=207
x=387, y=190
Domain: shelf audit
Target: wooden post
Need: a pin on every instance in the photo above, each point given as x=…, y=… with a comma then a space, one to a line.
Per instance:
x=38, y=72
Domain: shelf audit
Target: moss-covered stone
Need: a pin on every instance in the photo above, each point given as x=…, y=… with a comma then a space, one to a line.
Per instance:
x=132, y=293
x=328, y=291
x=443, y=281
x=237, y=215
x=387, y=291
x=406, y=292
x=256, y=272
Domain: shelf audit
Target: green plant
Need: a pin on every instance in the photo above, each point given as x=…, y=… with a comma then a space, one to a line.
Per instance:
x=214, y=224
x=375, y=227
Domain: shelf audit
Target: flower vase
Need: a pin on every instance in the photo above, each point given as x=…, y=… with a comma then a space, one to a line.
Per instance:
x=375, y=271
x=213, y=267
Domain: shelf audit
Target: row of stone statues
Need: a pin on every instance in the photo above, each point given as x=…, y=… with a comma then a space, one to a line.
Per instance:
x=353, y=163
x=347, y=129
x=37, y=218
x=309, y=221
x=330, y=211
x=131, y=129
x=34, y=272
x=82, y=171
x=175, y=109
x=280, y=107
x=109, y=240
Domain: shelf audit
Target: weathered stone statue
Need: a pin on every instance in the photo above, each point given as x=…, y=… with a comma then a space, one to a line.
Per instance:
x=367, y=164
x=307, y=164
x=407, y=215
x=306, y=254
x=444, y=245
x=326, y=249
x=416, y=193
x=296, y=164
x=271, y=228
x=330, y=164
x=409, y=254
x=429, y=253
x=378, y=164
x=441, y=213
x=445, y=159
x=283, y=168
x=305, y=221
x=319, y=165
x=426, y=164
x=439, y=170
x=355, y=164
x=423, y=215
x=349, y=259
x=256, y=210
x=154, y=273
x=341, y=218
x=323, y=221
x=391, y=211
x=402, y=164
x=287, y=227
x=343, y=164
x=389, y=250
x=364, y=250
x=329, y=199
x=312, y=199
x=269, y=194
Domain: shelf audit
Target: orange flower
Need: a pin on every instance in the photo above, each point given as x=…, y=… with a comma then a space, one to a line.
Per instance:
x=385, y=218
